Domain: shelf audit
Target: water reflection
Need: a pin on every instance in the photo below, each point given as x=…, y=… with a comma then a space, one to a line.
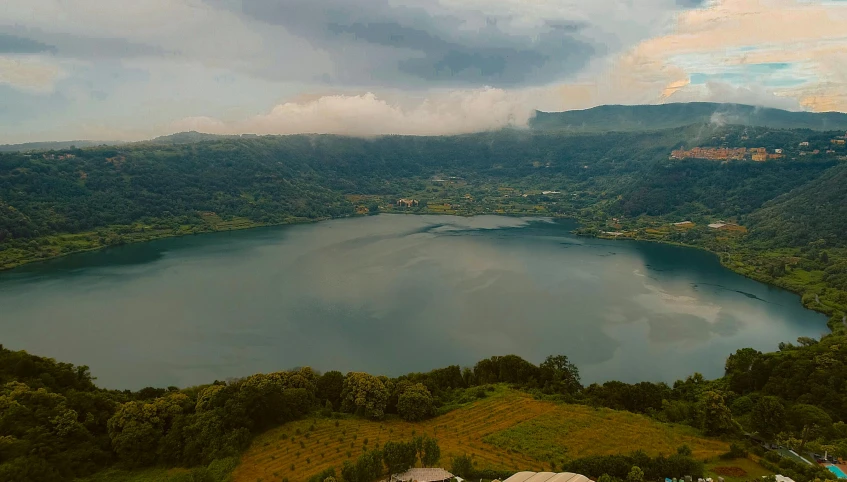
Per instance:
x=392, y=294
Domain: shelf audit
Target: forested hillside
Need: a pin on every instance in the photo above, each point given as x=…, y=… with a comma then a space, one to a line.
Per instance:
x=815, y=211
x=275, y=179
x=55, y=424
x=278, y=179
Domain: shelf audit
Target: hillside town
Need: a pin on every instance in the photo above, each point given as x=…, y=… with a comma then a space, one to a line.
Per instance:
x=758, y=154
x=831, y=146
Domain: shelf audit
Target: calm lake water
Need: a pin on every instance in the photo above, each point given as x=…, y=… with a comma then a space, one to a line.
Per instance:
x=391, y=294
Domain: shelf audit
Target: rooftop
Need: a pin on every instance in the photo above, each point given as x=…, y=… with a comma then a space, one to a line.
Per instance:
x=422, y=475
x=547, y=477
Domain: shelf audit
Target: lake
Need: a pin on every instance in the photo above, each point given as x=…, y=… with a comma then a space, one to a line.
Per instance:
x=391, y=294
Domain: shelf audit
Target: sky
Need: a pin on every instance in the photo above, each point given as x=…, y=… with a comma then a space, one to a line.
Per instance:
x=136, y=69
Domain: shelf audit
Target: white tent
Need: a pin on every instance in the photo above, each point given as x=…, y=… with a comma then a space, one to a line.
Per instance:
x=422, y=475
x=547, y=477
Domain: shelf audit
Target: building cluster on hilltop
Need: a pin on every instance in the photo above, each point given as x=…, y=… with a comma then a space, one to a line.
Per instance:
x=727, y=153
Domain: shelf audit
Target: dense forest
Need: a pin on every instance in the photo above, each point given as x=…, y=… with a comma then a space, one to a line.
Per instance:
x=55, y=424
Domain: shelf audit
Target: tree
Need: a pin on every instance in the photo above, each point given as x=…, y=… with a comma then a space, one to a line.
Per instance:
x=635, y=474
x=415, y=403
x=348, y=472
x=369, y=466
x=364, y=394
x=399, y=456
x=560, y=375
x=739, y=367
x=808, y=420
x=462, y=466
x=431, y=452
x=768, y=416
x=137, y=427
x=329, y=387
x=717, y=418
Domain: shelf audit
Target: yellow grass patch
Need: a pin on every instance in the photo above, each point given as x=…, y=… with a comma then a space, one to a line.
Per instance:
x=574, y=431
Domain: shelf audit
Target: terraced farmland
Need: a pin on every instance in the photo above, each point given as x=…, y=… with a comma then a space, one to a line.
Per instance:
x=300, y=449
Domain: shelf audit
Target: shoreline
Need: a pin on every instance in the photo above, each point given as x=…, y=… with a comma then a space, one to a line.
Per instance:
x=749, y=275
x=295, y=221
x=244, y=227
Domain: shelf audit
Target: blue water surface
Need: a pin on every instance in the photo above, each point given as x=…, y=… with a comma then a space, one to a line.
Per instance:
x=837, y=471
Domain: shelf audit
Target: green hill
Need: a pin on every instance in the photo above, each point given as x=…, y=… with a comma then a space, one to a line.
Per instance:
x=816, y=210
x=664, y=116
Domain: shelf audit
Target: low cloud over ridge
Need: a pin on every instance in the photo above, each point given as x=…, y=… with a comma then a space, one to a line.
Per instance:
x=454, y=112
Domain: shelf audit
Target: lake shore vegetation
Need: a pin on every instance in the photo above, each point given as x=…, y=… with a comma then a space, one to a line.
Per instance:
x=502, y=415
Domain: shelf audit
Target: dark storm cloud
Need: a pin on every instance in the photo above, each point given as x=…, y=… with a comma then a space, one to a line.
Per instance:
x=425, y=45
x=554, y=54
x=11, y=44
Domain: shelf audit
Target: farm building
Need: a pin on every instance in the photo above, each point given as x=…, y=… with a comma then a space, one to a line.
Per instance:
x=547, y=477
x=422, y=475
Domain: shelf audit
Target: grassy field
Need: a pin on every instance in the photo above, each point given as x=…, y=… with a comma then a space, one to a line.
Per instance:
x=574, y=431
x=737, y=470
x=507, y=430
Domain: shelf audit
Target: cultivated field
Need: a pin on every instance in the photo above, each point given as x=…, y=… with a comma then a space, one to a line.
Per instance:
x=507, y=430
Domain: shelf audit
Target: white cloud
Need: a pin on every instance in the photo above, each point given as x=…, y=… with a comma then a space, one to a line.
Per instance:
x=30, y=74
x=367, y=115
x=724, y=92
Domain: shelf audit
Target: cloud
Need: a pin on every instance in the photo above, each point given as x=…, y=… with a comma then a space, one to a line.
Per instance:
x=367, y=115
x=180, y=30
x=765, y=50
x=80, y=47
x=103, y=68
x=28, y=74
x=456, y=43
x=728, y=93
x=11, y=44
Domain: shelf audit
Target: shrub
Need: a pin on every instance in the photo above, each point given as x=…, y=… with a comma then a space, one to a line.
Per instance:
x=736, y=451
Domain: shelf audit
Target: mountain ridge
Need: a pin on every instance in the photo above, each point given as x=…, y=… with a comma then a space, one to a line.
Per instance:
x=602, y=118
x=607, y=118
